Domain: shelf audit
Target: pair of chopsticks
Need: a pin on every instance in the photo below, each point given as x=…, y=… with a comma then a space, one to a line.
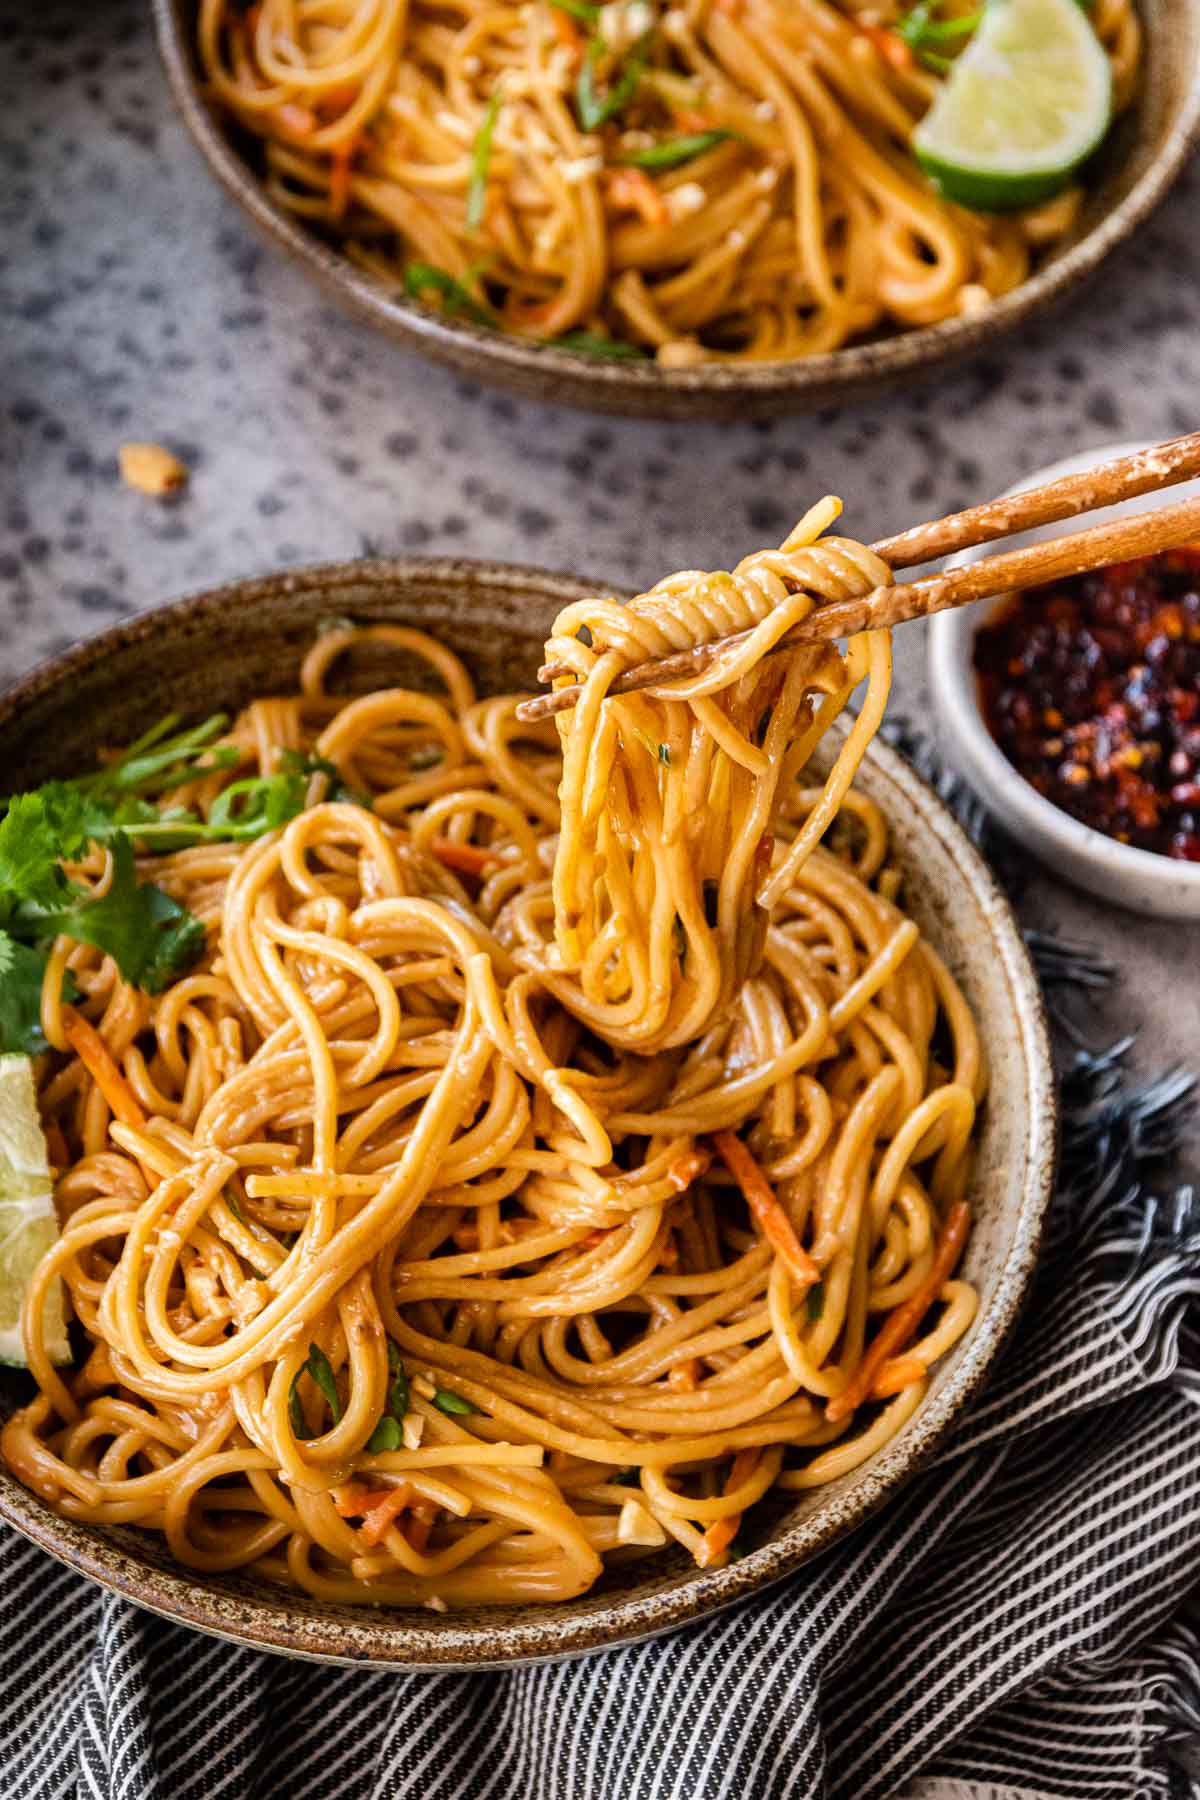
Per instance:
x=1075, y=553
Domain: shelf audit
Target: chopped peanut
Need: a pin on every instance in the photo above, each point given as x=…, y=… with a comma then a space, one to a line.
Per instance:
x=152, y=469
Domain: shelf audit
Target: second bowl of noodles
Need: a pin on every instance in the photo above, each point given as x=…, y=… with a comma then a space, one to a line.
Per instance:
x=719, y=215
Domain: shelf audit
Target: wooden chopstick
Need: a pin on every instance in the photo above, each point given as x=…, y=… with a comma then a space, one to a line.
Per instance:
x=1074, y=553
x=1124, y=478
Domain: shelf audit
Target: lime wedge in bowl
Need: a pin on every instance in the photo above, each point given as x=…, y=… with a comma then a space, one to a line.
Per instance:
x=1028, y=100
x=28, y=1223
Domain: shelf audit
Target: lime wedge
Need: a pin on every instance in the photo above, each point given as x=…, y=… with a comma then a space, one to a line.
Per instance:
x=1028, y=100
x=28, y=1223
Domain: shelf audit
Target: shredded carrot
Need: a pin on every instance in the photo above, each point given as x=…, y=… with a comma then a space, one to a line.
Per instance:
x=468, y=859
x=890, y=45
x=378, y=1521
x=420, y=1524
x=688, y=118
x=688, y=1168
x=354, y=1498
x=684, y=1378
x=567, y=31
x=899, y=1326
x=56, y=1145
x=722, y=1532
x=594, y=1239
x=296, y=121
x=339, y=176
x=897, y=1374
x=100, y=1064
x=634, y=189
x=774, y=1223
x=337, y=101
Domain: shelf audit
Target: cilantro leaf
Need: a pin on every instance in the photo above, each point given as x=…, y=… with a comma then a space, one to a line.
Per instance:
x=22, y=972
x=36, y=831
x=147, y=934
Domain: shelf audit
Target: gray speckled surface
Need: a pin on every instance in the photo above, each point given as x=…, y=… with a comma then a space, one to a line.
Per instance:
x=136, y=303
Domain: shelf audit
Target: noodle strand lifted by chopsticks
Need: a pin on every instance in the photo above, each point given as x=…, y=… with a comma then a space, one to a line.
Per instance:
x=545, y=1160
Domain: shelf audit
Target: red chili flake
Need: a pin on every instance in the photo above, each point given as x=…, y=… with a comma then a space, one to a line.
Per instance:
x=1091, y=687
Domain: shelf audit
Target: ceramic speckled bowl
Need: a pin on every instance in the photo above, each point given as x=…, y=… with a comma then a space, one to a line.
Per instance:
x=217, y=650
x=1146, y=151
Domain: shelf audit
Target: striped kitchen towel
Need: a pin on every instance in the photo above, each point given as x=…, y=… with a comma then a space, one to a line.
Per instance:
x=1008, y=1629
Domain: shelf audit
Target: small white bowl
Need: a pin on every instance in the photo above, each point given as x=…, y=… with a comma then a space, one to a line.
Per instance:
x=1137, y=879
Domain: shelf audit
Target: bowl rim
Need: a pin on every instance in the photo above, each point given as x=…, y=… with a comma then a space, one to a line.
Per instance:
x=265, y=1623
x=1002, y=786
x=619, y=386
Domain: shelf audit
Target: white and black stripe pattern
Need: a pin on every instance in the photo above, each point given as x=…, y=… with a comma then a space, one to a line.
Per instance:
x=1007, y=1630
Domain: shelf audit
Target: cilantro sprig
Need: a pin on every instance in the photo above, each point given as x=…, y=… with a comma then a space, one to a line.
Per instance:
x=119, y=807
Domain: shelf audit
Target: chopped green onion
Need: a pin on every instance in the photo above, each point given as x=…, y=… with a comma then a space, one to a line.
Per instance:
x=420, y=278
x=920, y=28
x=579, y=9
x=387, y=1435
x=320, y=1370
x=596, y=109
x=664, y=754
x=814, y=1301
x=592, y=343
x=452, y=1403
x=305, y=765
x=481, y=156
x=674, y=151
x=399, y=1398
x=427, y=756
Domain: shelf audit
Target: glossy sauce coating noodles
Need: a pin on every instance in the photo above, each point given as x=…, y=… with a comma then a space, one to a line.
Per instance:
x=489, y=1201
x=742, y=185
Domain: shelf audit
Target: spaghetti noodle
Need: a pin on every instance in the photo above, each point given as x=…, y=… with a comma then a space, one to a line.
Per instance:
x=709, y=179
x=544, y=1160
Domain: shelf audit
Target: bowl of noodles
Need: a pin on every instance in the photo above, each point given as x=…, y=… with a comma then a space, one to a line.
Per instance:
x=518, y=1187
x=662, y=210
